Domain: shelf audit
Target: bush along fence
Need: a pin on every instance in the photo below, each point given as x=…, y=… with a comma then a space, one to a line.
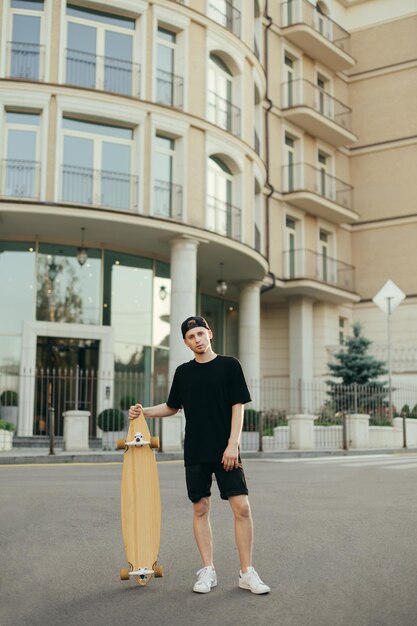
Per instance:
x=84, y=408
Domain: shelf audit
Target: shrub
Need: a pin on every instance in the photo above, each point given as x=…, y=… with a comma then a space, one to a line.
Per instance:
x=126, y=402
x=111, y=420
x=9, y=398
x=405, y=411
x=6, y=425
x=414, y=411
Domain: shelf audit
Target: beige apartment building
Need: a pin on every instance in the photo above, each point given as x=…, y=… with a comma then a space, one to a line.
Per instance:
x=249, y=160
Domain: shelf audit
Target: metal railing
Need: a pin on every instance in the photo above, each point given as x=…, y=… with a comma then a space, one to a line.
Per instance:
x=103, y=188
x=223, y=218
x=25, y=60
x=227, y=16
x=223, y=113
x=306, y=177
x=169, y=89
x=102, y=73
x=167, y=200
x=20, y=179
x=303, y=263
x=303, y=12
x=302, y=92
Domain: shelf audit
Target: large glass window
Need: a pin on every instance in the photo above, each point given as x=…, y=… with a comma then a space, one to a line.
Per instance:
x=21, y=171
x=168, y=195
x=66, y=291
x=221, y=110
x=223, y=319
x=167, y=84
x=97, y=165
x=25, y=47
x=219, y=197
x=100, y=51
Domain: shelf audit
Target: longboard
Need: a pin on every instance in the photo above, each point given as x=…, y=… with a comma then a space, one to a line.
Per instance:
x=140, y=504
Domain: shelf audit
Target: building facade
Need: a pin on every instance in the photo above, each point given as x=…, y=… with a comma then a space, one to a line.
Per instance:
x=249, y=161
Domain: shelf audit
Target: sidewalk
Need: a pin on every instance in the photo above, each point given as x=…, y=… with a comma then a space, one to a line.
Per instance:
x=30, y=456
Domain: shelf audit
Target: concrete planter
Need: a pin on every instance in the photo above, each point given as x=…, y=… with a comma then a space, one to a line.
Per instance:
x=110, y=437
x=6, y=440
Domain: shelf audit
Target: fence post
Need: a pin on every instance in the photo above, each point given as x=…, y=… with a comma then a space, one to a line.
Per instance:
x=344, y=432
x=404, y=430
x=51, y=419
x=261, y=431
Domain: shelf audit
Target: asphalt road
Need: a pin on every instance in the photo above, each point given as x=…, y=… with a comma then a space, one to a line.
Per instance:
x=336, y=539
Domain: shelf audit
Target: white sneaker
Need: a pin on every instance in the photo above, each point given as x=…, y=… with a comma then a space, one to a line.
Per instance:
x=250, y=580
x=206, y=580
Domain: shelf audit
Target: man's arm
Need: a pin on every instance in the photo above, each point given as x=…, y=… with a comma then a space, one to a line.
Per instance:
x=231, y=454
x=159, y=410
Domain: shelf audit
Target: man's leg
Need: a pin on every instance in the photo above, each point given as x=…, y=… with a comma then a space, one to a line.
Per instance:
x=202, y=530
x=243, y=529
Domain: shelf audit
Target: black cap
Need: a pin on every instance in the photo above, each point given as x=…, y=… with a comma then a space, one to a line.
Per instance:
x=193, y=322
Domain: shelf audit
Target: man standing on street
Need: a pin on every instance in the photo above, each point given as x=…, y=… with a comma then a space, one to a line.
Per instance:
x=212, y=391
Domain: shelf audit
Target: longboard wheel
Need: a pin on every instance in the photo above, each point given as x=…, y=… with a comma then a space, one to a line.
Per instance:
x=124, y=574
x=158, y=571
x=120, y=444
x=154, y=442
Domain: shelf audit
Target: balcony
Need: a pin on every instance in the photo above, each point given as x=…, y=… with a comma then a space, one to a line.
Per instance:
x=317, y=112
x=101, y=188
x=102, y=73
x=169, y=89
x=20, y=179
x=318, y=193
x=223, y=218
x=25, y=60
x=225, y=14
x=223, y=113
x=315, y=33
x=167, y=200
x=310, y=265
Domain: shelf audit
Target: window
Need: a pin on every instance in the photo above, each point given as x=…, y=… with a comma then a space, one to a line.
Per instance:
x=326, y=262
x=21, y=161
x=221, y=110
x=342, y=330
x=169, y=87
x=167, y=195
x=290, y=259
x=25, y=50
x=326, y=182
x=258, y=214
x=292, y=169
x=222, y=216
x=226, y=14
x=97, y=164
x=258, y=121
x=257, y=29
x=100, y=51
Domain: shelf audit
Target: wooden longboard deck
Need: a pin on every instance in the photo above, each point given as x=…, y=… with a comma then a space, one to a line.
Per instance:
x=140, y=502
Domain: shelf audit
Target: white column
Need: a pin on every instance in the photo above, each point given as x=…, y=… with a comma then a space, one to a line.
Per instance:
x=183, y=304
x=249, y=337
x=301, y=352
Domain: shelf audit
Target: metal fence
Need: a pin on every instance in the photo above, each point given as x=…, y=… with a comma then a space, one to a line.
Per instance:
x=48, y=393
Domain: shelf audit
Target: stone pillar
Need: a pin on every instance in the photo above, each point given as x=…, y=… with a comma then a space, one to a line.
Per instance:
x=301, y=352
x=183, y=304
x=249, y=335
x=76, y=430
x=357, y=425
x=301, y=431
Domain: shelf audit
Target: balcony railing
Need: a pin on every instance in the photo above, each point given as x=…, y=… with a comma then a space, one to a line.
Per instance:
x=167, y=200
x=169, y=89
x=302, y=92
x=225, y=14
x=20, y=179
x=223, y=218
x=102, y=73
x=25, y=60
x=223, y=113
x=304, y=177
x=103, y=188
x=311, y=265
x=303, y=12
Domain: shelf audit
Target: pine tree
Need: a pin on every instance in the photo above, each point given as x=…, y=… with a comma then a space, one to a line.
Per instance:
x=360, y=390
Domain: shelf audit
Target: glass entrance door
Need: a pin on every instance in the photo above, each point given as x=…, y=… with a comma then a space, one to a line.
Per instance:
x=66, y=379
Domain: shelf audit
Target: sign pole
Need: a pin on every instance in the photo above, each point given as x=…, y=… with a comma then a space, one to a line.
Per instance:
x=390, y=412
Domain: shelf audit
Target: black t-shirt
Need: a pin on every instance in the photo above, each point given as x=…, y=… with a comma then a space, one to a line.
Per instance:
x=207, y=392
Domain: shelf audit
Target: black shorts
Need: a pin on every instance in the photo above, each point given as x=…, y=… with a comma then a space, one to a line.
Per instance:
x=199, y=479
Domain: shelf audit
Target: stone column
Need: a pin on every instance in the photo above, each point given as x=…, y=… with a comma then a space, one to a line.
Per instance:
x=249, y=337
x=358, y=430
x=183, y=304
x=301, y=352
x=76, y=430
